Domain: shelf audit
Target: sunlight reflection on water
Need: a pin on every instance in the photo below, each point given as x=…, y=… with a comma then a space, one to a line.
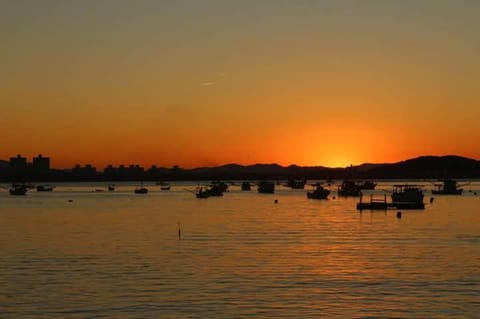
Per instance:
x=117, y=255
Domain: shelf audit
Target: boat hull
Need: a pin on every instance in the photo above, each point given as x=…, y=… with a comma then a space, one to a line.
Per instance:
x=141, y=191
x=318, y=195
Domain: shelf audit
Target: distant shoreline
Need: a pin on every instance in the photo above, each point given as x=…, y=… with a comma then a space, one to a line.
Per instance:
x=424, y=167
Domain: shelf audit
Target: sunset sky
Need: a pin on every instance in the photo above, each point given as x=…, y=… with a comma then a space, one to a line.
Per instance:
x=203, y=82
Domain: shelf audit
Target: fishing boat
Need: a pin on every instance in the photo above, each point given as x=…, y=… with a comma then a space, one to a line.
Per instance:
x=408, y=194
x=349, y=188
x=18, y=189
x=246, y=186
x=266, y=187
x=45, y=188
x=165, y=188
x=447, y=187
x=318, y=192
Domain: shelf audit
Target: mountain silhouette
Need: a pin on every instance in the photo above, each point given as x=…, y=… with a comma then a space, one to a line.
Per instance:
x=423, y=167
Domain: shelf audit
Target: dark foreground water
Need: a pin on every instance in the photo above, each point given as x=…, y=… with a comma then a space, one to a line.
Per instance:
x=118, y=255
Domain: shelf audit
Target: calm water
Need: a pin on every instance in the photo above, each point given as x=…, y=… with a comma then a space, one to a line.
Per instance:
x=117, y=255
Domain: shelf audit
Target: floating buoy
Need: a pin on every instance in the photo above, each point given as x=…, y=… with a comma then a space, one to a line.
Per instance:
x=431, y=199
x=333, y=197
x=179, y=231
x=70, y=200
x=474, y=193
x=399, y=215
x=276, y=201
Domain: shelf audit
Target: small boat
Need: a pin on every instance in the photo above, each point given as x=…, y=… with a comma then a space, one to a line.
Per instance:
x=447, y=187
x=266, y=187
x=246, y=186
x=141, y=190
x=202, y=192
x=18, y=189
x=219, y=186
x=349, y=188
x=165, y=187
x=318, y=192
x=45, y=188
x=407, y=193
x=216, y=189
x=111, y=187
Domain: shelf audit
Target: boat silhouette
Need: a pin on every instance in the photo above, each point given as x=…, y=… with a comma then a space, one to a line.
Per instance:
x=407, y=193
x=45, y=188
x=404, y=196
x=319, y=192
x=266, y=187
x=246, y=186
x=141, y=190
x=349, y=188
x=202, y=192
x=447, y=187
x=296, y=184
x=18, y=189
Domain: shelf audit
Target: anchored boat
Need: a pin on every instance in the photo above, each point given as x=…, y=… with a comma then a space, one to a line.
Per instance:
x=45, y=188
x=319, y=192
x=447, y=187
x=18, y=189
x=404, y=196
x=266, y=187
x=246, y=186
x=349, y=188
x=296, y=184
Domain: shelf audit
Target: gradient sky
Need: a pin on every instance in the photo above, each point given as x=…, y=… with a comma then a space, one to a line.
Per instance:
x=203, y=82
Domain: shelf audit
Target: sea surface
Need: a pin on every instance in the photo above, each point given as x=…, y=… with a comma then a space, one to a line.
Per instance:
x=77, y=253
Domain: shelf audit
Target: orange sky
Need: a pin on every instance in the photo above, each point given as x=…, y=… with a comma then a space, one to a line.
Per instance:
x=197, y=83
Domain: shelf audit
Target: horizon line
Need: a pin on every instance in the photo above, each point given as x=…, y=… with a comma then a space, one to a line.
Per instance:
x=247, y=165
